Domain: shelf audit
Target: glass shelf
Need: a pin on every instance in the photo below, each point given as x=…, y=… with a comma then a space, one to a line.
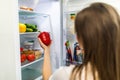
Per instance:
x=23, y=14
x=29, y=13
x=39, y=78
x=30, y=34
x=25, y=64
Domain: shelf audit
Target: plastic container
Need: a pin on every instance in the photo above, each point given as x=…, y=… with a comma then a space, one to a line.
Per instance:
x=29, y=45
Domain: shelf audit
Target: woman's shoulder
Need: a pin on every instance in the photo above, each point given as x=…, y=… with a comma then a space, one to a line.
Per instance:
x=63, y=73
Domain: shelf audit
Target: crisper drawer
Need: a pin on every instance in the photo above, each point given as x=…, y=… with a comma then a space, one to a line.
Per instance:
x=33, y=72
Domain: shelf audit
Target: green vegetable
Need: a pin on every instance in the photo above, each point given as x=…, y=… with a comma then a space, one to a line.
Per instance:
x=33, y=26
x=28, y=25
x=36, y=26
x=29, y=30
x=35, y=30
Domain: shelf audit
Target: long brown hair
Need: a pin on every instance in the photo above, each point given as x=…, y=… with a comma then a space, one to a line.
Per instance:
x=98, y=29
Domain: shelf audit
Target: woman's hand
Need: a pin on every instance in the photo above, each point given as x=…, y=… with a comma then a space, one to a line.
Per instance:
x=43, y=45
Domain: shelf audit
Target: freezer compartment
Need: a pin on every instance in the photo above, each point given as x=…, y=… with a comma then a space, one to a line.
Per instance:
x=32, y=72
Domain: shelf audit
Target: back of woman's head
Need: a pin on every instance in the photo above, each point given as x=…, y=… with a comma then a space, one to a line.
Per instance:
x=97, y=29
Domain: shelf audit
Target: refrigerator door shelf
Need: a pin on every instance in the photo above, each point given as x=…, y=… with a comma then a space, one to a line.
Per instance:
x=70, y=12
x=68, y=62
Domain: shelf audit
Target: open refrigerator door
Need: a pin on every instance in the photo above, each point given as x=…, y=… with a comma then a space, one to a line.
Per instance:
x=71, y=51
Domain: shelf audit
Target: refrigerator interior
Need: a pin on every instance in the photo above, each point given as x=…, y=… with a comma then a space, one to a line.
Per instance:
x=29, y=71
x=36, y=12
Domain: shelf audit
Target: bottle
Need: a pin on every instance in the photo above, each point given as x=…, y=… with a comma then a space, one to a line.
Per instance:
x=68, y=54
x=72, y=16
x=75, y=53
x=78, y=57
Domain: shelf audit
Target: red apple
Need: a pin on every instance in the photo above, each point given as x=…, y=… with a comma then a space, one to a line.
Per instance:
x=21, y=49
x=31, y=57
x=23, y=57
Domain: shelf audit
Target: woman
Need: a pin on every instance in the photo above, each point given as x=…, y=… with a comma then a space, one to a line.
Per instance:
x=98, y=29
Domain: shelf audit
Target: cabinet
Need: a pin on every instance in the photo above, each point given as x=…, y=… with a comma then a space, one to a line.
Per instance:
x=32, y=70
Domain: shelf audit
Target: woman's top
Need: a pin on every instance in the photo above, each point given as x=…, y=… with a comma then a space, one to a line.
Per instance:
x=63, y=73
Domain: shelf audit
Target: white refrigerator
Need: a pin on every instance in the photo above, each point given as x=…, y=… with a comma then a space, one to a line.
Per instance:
x=54, y=16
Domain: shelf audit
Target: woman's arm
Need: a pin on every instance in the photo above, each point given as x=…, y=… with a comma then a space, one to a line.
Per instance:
x=47, y=70
x=46, y=65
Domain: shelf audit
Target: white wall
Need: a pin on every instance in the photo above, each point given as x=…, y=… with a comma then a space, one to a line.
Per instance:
x=9, y=41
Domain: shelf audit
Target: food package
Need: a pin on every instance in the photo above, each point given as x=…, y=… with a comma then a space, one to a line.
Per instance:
x=37, y=53
x=28, y=52
x=26, y=8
